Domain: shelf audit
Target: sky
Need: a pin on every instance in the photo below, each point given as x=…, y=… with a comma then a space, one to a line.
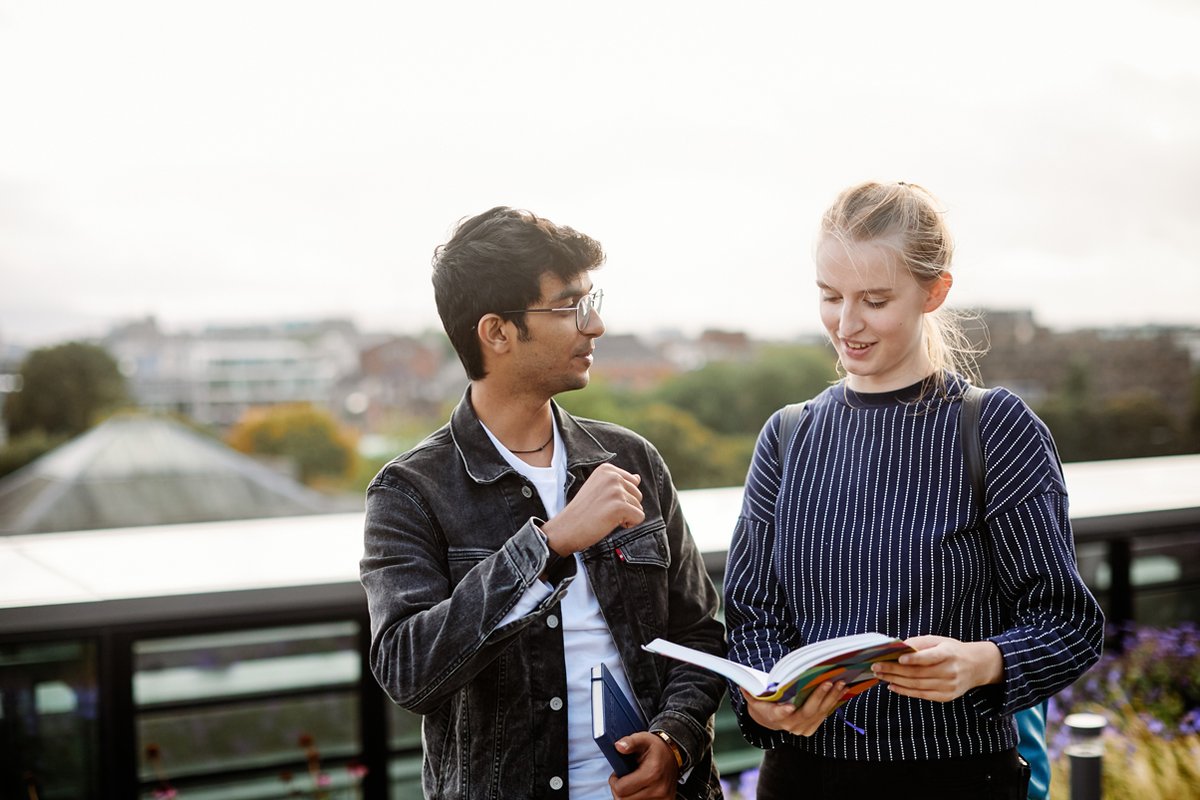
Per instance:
x=264, y=160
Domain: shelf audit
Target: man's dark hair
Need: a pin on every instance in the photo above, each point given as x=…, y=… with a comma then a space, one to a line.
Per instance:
x=494, y=264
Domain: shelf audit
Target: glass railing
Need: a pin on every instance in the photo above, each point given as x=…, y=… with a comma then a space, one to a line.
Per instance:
x=276, y=707
x=49, y=732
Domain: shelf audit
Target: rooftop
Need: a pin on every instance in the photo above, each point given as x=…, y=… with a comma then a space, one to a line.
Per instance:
x=139, y=470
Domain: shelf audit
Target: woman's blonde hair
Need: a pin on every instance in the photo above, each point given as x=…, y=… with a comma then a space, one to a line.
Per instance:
x=904, y=218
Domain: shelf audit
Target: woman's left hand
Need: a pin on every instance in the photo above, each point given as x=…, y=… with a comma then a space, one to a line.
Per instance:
x=802, y=721
x=942, y=669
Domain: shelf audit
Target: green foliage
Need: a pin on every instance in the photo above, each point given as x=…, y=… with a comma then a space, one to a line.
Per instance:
x=697, y=457
x=308, y=436
x=25, y=448
x=365, y=470
x=65, y=390
x=738, y=397
x=1132, y=425
x=705, y=422
x=601, y=401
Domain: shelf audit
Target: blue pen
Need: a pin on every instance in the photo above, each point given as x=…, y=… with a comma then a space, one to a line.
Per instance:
x=842, y=713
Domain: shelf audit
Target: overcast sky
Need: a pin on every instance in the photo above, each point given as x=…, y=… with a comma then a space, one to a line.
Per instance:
x=265, y=160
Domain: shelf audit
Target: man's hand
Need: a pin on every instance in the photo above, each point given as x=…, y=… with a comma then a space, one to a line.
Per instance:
x=942, y=669
x=608, y=499
x=802, y=721
x=657, y=774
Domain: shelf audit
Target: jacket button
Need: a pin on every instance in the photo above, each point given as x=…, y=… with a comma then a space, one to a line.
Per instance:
x=552, y=621
x=556, y=704
x=556, y=783
x=526, y=491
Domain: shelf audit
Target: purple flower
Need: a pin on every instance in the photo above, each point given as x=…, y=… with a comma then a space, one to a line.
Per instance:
x=748, y=783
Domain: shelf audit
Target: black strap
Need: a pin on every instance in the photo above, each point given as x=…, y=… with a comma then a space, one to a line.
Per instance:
x=1031, y=722
x=972, y=447
x=789, y=421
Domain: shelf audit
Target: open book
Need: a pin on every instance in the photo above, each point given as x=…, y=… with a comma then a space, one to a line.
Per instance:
x=796, y=675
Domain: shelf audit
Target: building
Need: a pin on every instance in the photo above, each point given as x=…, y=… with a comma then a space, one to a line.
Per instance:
x=215, y=376
x=142, y=470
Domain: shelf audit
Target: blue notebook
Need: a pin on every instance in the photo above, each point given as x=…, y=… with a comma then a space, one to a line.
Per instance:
x=613, y=718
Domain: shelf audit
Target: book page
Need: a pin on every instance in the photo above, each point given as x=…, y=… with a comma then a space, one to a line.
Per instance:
x=797, y=661
x=752, y=680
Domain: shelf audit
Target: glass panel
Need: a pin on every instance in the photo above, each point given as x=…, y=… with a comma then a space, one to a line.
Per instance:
x=263, y=734
x=245, y=662
x=48, y=733
x=339, y=782
x=1166, y=558
x=273, y=702
x=404, y=778
x=404, y=728
x=1164, y=608
x=1164, y=572
x=1093, y=565
x=1166, y=578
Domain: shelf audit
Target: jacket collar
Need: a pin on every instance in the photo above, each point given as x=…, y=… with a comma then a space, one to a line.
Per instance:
x=485, y=465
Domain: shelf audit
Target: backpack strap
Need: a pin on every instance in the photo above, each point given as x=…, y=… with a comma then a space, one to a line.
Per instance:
x=972, y=446
x=789, y=421
x=1031, y=722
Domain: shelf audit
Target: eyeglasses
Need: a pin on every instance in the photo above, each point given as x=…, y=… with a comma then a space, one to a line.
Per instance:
x=583, y=309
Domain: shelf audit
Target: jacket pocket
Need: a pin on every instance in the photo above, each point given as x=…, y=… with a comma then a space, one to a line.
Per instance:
x=639, y=562
x=644, y=545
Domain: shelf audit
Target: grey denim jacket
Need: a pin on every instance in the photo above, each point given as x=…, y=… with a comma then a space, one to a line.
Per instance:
x=450, y=546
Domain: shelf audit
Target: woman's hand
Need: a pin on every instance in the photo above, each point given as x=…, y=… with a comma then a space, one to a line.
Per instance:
x=802, y=721
x=942, y=669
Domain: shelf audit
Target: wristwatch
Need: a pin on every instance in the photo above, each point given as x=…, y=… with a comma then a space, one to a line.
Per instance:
x=676, y=750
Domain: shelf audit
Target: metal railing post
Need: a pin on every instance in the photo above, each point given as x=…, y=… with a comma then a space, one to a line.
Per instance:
x=1086, y=754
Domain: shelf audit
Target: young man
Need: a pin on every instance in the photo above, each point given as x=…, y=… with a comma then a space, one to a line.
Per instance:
x=518, y=546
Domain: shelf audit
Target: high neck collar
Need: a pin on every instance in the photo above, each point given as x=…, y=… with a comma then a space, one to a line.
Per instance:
x=923, y=390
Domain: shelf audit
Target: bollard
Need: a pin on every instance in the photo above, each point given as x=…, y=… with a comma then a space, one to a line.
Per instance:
x=1086, y=754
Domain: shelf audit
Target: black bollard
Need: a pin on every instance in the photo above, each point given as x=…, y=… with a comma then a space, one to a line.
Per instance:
x=1086, y=754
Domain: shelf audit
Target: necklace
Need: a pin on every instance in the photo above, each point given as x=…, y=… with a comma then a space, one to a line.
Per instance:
x=536, y=449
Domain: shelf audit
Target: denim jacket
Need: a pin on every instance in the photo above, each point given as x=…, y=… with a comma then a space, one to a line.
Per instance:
x=450, y=547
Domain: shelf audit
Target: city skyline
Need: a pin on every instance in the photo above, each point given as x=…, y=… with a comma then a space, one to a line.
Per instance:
x=227, y=163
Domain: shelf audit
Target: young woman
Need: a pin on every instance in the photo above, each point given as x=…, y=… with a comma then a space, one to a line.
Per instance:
x=868, y=524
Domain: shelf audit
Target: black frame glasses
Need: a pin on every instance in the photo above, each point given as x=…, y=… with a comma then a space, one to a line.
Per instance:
x=583, y=309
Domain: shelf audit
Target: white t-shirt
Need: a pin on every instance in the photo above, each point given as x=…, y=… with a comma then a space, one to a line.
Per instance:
x=587, y=641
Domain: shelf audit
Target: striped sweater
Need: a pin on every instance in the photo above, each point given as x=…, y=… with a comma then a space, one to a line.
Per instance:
x=869, y=525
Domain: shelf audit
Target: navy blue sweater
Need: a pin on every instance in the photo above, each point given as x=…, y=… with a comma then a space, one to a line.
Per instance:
x=869, y=525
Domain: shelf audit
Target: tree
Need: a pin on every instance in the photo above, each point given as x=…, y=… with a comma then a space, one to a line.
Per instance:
x=738, y=397
x=1130, y=425
x=65, y=390
x=308, y=436
x=697, y=457
x=27, y=447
